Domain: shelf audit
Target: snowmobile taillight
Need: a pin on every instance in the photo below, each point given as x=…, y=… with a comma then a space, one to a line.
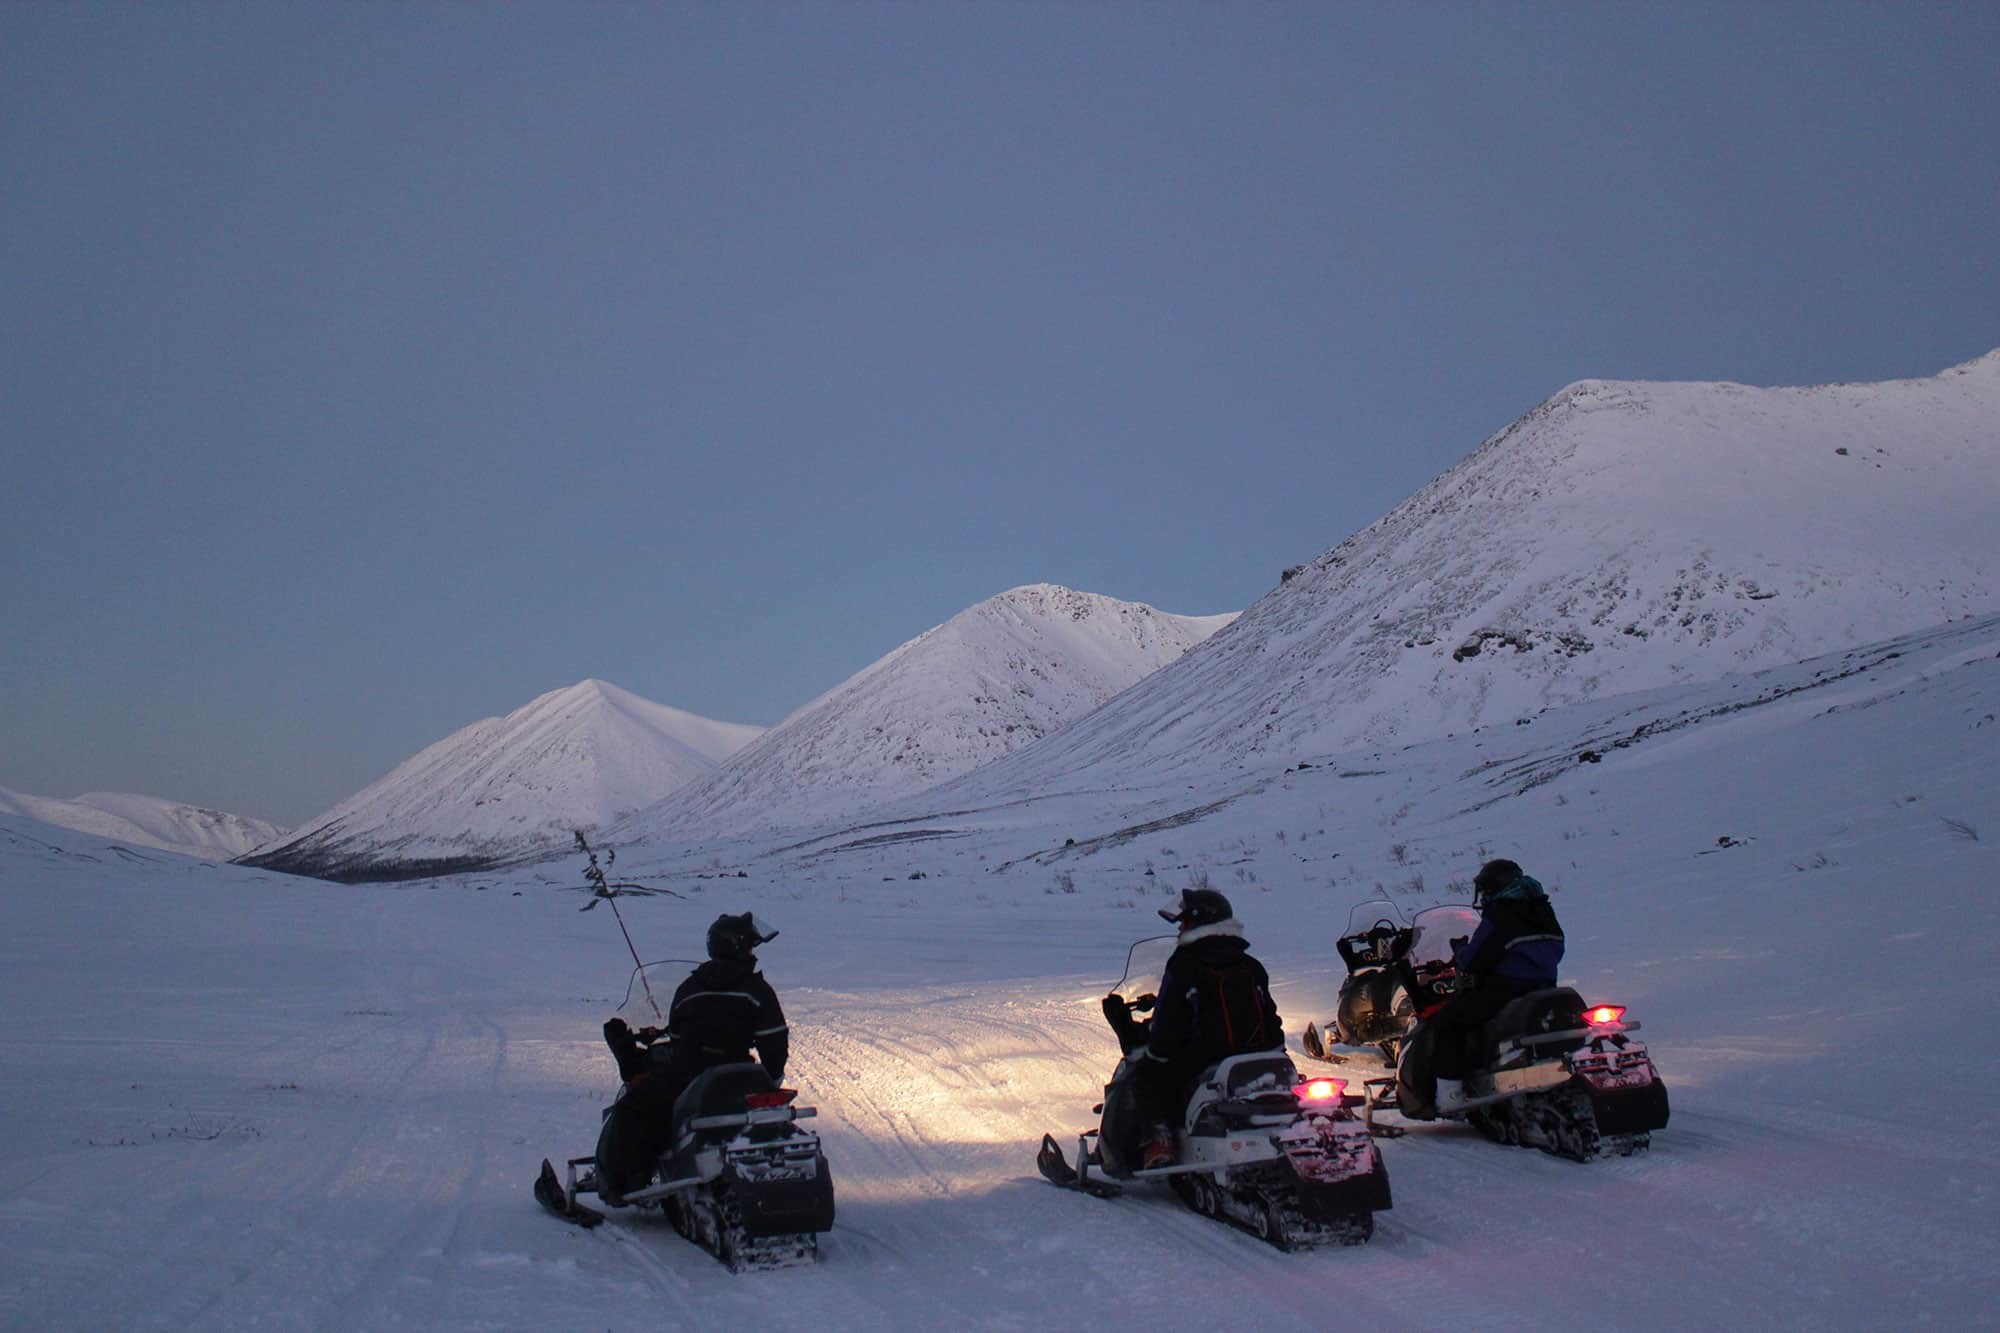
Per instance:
x=1602, y=1014
x=758, y=1101
x=1321, y=1090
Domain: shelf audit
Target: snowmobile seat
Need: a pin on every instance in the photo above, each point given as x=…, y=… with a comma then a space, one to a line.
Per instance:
x=720, y=1090
x=1556, y=1009
x=1255, y=1085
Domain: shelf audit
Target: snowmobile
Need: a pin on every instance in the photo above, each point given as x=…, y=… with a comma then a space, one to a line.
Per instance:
x=1551, y=1072
x=741, y=1177
x=1374, y=1007
x=1288, y=1160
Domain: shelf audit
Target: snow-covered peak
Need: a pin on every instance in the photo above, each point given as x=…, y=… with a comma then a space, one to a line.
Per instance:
x=1621, y=536
x=999, y=674
x=148, y=821
x=574, y=758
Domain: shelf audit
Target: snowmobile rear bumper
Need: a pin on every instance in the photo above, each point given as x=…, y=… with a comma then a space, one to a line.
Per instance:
x=1630, y=1110
x=773, y=1207
x=1331, y=1201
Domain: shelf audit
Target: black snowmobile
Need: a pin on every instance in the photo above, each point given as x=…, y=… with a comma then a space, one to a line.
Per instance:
x=1551, y=1072
x=1287, y=1160
x=1374, y=1007
x=741, y=1176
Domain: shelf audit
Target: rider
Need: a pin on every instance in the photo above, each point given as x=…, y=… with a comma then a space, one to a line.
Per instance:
x=1515, y=950
x=1214, y=1001
x=724, y=1008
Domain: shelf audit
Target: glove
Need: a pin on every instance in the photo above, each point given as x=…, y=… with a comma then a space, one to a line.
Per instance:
x=1115, y=1010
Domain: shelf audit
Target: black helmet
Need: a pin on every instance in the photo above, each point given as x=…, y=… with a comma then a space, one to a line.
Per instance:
x=737, y=936
x=1199, y=907
x=1492, y=878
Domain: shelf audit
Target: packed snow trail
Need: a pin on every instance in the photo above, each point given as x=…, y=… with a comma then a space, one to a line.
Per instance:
x=353, y=1148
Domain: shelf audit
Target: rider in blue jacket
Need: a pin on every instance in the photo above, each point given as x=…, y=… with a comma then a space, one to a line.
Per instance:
x=1515, y=950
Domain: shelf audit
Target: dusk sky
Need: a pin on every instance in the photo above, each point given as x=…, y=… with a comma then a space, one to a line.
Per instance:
x=370, y=369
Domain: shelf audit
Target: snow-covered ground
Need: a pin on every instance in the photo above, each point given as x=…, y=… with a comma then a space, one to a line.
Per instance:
x=236, y=1099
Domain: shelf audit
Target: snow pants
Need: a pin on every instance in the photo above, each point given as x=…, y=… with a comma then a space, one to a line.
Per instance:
x=1457, y=1025
x=638, y=1128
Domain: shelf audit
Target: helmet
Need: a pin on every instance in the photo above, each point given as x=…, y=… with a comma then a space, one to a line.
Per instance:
x=1199, y=907
x=737, y=936
x=1492, y=878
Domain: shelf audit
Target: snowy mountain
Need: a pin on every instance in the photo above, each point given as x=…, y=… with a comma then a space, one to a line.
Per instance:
x=996, y=676
x=148, y=821
x=1619, y=537
x=575, y=758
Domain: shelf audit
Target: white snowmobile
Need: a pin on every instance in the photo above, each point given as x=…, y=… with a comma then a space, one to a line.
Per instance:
x=741, y=1177
x=1287, y=1160
x=1551, y=1072
x=1374, y=1007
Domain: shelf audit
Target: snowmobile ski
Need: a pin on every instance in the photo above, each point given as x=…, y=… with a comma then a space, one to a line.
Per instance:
x=549, y=1192
x=1055, y=1169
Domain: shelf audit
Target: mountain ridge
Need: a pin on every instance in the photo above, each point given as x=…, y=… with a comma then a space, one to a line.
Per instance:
x=1622, y=535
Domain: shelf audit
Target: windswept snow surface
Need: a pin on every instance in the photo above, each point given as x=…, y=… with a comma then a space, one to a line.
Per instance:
x=574, y=758
x=233, y=1098
x=1619, y=537
x=149, y=821
x=995, y=677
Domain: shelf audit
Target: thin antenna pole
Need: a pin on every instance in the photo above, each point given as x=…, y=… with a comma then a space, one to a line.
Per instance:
x=595, y=874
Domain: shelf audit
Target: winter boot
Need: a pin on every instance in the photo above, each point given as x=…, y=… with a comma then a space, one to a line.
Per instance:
x=1159, y=1149
x=1450, y=1095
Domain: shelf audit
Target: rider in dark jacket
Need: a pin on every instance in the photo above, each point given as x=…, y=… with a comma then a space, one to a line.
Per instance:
x=1214, y=1001
x=723, y=1009
x=1515, y=950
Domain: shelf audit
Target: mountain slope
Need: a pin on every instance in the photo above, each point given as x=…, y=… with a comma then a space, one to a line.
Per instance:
x=1015, y=667
x=148, y=821
x=1619, y=537
x=575, y=758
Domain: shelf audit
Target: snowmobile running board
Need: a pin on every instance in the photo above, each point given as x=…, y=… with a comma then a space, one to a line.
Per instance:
x=651, y=1194
x=1532, y=1079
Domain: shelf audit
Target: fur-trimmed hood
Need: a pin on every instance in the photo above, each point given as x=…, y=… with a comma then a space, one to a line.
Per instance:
x=1230, y=929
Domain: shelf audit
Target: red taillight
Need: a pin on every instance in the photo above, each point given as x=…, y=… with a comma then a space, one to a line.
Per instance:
x=1601, y=1014
x=757, y=1101
x=1321, y=1089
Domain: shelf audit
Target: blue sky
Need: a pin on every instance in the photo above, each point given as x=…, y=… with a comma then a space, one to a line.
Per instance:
x=367, y=370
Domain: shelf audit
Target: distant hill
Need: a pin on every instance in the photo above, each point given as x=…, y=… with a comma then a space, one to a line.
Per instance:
x=149, y=821
x=510, y=787
x=1003, y=673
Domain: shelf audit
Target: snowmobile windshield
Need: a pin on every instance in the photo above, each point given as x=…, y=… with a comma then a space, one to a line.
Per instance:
x=1364, y=917
x=1145, y=962
x=1433, y=929
x=651, y=990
